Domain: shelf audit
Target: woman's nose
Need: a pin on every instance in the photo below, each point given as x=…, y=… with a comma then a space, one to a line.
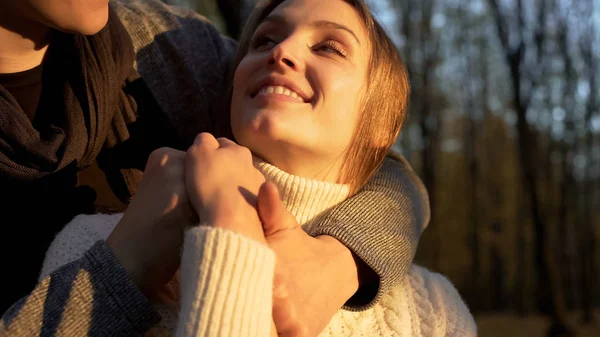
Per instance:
x=284, y=55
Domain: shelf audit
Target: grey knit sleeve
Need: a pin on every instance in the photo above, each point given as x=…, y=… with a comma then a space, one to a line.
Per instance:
x=92, y=296
x=381, y=225
x=184, y=61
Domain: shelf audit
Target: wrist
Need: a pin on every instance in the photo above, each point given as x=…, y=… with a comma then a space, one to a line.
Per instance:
x=249, y=227
x=342, y=267
x=128, y=263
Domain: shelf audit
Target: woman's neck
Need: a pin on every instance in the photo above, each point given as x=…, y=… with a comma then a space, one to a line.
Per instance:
x=297, y=162
x=24, y=43
x=305, y=198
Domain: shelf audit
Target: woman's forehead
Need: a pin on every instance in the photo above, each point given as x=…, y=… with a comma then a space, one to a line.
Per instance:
x=306, y=12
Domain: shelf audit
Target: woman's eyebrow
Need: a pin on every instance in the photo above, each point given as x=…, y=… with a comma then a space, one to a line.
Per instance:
x=278, y=19
x=333, y=25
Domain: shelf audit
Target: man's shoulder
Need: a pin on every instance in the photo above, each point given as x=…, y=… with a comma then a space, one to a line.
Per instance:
x=146, y=19
x=183, y=60
x=151, y=9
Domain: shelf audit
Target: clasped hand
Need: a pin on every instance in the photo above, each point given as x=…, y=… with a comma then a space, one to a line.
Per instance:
x=215, y=183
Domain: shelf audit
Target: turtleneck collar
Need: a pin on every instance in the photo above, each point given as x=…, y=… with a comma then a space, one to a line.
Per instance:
x=305, y=198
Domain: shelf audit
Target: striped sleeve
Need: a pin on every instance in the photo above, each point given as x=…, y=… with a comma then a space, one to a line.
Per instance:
x=91, y=296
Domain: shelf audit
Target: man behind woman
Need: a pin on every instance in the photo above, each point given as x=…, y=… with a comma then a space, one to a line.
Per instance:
x=301, y=102
x=67, y=93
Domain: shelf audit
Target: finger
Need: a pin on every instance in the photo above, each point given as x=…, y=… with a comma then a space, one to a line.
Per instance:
x=204, y=144
x=161, y=156
x=226, y=142
x=206, y=140
x=271, y=210
x=238, y=149
x=268, y=210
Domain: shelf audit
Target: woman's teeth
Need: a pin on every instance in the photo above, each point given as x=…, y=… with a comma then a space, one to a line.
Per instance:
x=277, y=89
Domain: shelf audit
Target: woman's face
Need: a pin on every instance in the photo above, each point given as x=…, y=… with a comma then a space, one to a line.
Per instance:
x=72, y=16
x=297, y=93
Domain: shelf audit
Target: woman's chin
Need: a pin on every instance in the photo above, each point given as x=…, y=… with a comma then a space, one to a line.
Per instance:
x=277, y=143
x=276, y=151
x=263, y=131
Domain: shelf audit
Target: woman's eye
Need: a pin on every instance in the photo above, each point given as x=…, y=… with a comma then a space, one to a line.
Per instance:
x=262, y=42
x=330, y=47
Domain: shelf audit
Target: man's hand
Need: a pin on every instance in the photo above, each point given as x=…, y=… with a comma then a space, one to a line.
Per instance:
x=148, y=239
x=314, y=277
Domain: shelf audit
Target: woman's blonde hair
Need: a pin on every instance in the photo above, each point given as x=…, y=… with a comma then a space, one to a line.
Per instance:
x=384, y=105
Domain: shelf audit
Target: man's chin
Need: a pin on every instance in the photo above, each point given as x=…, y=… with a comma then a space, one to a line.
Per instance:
x=87, y=24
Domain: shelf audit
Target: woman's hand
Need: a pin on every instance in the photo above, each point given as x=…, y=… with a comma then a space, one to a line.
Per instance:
x=148, y=239
x=222, y=184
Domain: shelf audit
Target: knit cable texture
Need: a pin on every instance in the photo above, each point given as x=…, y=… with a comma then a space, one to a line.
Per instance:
x=226, y=279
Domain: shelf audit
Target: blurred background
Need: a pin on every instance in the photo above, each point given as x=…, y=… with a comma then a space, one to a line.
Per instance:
x=504, y=130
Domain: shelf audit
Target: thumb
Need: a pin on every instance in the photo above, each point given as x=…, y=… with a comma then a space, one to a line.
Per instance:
x=274, y=216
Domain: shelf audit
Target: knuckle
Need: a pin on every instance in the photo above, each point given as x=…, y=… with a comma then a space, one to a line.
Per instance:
x=169, y=165
x=280, y=287
x=192, y=152
x=280, y=292
x=175, y=168
x=171, y=171
x=158, y=157
x=203, y=138
x=244, y=152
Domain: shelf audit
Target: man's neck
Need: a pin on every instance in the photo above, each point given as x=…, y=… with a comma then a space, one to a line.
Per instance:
x=24, y=44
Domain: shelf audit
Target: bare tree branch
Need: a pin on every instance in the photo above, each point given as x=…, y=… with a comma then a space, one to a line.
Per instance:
x=501, y=25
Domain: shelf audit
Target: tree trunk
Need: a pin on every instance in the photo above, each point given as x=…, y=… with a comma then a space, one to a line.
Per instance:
x=523, y=271
x=470, y=140
x=551, y=293
x=426, y=117
x=420, y=102
x=565, y=248
x=588, y=244
x=562, y=249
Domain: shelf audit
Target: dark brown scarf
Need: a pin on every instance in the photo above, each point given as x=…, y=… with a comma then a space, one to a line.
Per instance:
x=87, y=107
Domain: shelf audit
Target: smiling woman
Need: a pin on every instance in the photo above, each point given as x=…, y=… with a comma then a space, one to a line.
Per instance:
x=325, y=59
x=298, y=48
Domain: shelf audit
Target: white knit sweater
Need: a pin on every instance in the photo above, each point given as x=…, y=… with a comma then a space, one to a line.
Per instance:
x=226, y=279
